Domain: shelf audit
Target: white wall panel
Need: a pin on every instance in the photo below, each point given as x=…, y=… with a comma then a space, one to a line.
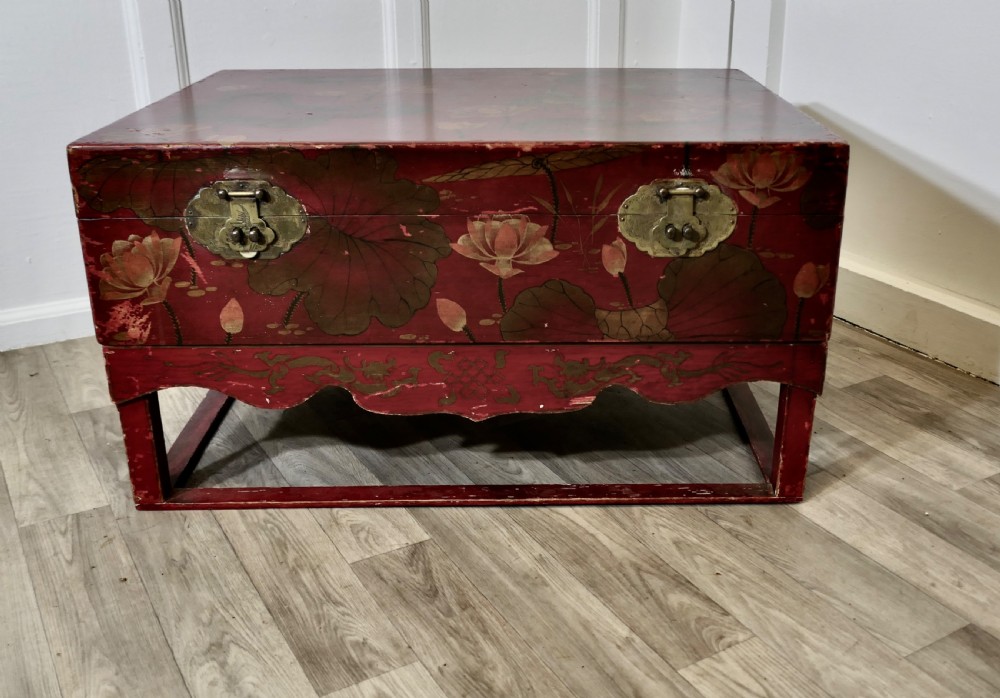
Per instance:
x=917, y=88
x=513, y=33
x=703, y=40
x=276, y=34
x=652, y=33
x=757, y=27
x=156, y=46
x=65, y=70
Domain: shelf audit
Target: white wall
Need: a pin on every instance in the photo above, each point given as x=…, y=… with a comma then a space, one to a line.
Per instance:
x=910, y=84
x=915, y=86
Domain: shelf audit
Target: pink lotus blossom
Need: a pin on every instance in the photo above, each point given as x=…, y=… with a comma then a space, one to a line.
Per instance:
x=757, y=173
x=500, y=242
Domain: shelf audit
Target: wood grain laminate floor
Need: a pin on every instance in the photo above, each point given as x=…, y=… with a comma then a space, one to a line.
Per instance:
x=884, y=582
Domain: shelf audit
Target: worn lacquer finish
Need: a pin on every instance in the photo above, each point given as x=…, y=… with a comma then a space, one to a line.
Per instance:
x=476, y=242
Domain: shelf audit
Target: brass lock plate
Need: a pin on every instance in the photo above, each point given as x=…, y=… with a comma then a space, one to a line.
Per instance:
x=677, y=217
x=245, y=219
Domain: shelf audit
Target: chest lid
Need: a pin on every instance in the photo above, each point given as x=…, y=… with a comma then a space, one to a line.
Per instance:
x=267, y=108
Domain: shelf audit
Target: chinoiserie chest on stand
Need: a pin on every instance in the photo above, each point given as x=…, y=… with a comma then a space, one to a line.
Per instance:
x=476, y=242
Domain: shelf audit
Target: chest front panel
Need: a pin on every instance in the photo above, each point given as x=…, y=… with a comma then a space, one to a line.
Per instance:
x=447, y=243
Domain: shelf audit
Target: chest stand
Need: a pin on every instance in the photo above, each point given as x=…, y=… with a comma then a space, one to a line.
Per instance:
x=158, y=476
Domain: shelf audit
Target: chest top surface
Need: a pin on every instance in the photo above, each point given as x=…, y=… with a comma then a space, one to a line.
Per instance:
x=522, y=106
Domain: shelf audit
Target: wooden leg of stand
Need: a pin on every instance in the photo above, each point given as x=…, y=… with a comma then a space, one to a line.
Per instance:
x=189, y=445
x=144, y=446
x=796, y=407
x=751, y=422
x=784, y=456
x=154, y=473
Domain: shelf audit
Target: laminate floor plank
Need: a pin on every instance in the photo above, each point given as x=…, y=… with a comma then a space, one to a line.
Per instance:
x=486, y=451
x=942, y=511
x=684, y=439
x=78, y=368
x=967, y=431
x=942, y=571
x=848, y=426
x=47, y=470
x=176, y=407
x=100, y=432
x=337, y=632
x=985, y=493
x=232, y=458
x=389, y=447
x=466, y=645
x=410, y=681
x=816, y=639
x=897, y=613
x=26, y=667
x=967, y=662
x=361, y=533
x=945, y=383
x=663, y=608
x=304, y=447
x=103, y=635
x=844, y=369
x=28, y=384
x=750, y=669
x=573, y=631
x=223, y=638
x=950, y=464
x=624, y=439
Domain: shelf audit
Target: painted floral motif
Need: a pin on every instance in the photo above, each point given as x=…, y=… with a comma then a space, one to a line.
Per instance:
x=644, y=324
x=756, y=173
x=454, y=318
x=614, y=257
x=499, y=242
x=351, y=269
x=231, y=318
x=139, y=267
x=726, y=294
x=556, y=311
x=810, y=279
x=808, y=282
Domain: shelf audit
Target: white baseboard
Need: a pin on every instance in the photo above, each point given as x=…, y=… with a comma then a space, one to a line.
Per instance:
x=953, y=328
x=42, y=323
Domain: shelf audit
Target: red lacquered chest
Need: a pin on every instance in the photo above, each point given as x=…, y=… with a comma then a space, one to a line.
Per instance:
x=477, y=242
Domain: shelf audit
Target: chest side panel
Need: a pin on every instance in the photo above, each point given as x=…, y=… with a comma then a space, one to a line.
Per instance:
x=419, y=245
